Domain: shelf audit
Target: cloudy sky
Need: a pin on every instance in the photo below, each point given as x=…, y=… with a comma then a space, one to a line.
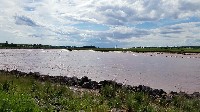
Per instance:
x=103, y=23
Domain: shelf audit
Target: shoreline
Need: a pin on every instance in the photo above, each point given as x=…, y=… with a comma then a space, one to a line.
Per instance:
x=87, y=84
x=183, y=51
x=114, y=50
x=20, y=91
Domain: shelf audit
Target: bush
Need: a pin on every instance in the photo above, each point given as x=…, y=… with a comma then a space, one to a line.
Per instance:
x=17, y=102
x=108, y=91
x=6, y=86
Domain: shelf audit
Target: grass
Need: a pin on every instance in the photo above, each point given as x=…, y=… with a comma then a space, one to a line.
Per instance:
x=179, y=50
x=19, y=94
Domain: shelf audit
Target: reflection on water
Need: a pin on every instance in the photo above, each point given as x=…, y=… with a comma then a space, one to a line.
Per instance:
x=167, y=71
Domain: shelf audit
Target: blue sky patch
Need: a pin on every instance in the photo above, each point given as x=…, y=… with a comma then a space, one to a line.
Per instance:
x=165, y=22
x=91, y=26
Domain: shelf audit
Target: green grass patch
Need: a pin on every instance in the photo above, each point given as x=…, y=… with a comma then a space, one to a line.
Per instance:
x=179, y=50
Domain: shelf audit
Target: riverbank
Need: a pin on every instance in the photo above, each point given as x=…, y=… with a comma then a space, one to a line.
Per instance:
x=35, y=92
x=174, y=50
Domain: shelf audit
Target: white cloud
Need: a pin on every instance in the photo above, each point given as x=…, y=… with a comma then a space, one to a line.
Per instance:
x=53, y=20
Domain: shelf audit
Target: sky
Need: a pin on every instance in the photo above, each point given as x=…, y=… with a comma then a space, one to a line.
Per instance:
x=102, y=23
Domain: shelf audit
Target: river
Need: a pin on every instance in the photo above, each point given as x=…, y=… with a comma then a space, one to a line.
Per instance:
x=171, y=72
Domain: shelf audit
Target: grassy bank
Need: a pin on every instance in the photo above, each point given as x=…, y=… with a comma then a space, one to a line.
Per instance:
x=178, y=50
x=19, y=93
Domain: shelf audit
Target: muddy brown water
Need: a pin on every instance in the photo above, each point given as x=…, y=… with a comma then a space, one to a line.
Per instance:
x=171, y=72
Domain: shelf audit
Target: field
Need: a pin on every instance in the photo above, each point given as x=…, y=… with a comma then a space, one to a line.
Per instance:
x=178, y=50
x=26, y=93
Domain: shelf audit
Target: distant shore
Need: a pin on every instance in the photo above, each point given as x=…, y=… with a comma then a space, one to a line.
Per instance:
x=175, y=50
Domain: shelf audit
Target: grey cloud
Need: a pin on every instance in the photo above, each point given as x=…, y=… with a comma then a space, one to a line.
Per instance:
x=198, y=40
x=168, y=36
x=130, y=14
x=29, y=8
x=61, y=32
x=193, y=42
x=141, y=33
x=171, y=32
x=175, y=28
x=113, y=21
x=137, y=33
x=116, y=15
x=23, y=20
x=197, y=25
x=149, y=4
x=189, y=6
x=144, y=18
x=121, y=14
x=32, y=1
x=98, y=42
x=36, y=35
